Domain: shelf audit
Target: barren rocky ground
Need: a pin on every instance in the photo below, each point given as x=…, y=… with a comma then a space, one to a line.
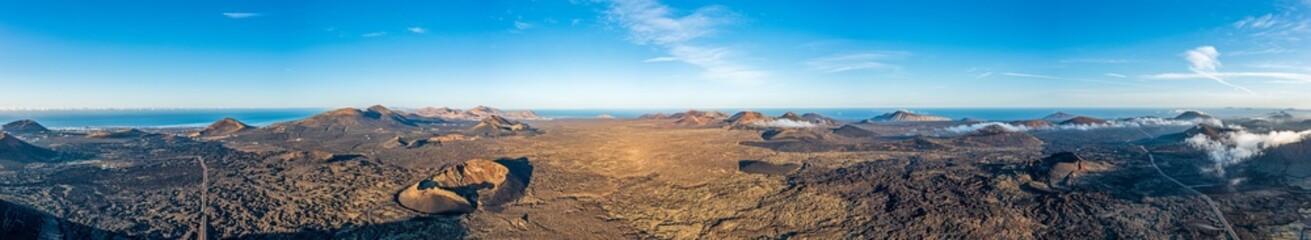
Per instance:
x=645, y=179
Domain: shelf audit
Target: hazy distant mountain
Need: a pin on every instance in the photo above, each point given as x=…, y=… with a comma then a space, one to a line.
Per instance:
x=1280, y=116
x=1192, y=115
x=653, y=116
x=907, y=116
x=24, y=126
x=1081, y=120
x=1059, y=117
x=699, y=114
x=475, y=114
x=1032, y=124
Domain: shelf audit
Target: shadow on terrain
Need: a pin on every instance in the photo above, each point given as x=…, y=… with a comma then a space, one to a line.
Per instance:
x=19, y=222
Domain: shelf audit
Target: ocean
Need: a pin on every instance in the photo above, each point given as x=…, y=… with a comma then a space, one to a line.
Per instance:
x=260, y=117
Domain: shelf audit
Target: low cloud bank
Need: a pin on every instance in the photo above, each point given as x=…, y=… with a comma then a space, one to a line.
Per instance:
x=973, y=127
x=1237, y=146
x=785, y=123
x=1118, y=123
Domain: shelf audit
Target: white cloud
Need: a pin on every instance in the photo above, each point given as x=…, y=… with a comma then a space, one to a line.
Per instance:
x=374, y=34
x=649, y=22
x=983, y=75
x=1113, y=123
x=240, y=15
x=522, y=25
x=1116, y=75
x=1204, y=62
x=1235, y=147
x=856, y=61
x=418, y=30
x=785, y=123
x=1203, y=59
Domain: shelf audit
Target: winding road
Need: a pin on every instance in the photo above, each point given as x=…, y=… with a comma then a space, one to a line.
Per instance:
x=1214, y=207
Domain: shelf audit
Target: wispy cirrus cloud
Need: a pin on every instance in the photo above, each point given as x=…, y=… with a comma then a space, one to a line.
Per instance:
x=1026, y=75
x=1116, y=75
x=240, y=15
x=649, y=22
x=418, y=30
x=660, y=59
x=1261, y=22
x=877, y=60
x=1289, y=26
x=374, y=34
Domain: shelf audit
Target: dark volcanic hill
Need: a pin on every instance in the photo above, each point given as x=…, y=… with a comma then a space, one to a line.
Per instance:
x=1032, y=124
x=997, y=136
x=745, y=118
x=222, y=127
x=1192, y=115
x=24, y=126
x=907, y=116
x=1284, y=164
x=853, y=131
x=798, y=134
x=126, y=133
x=498, y=126
x=1081, y=120
x=1210, y=131
x=819, y=119
x=373, y=117
x=1059, y=117
x=793, y=116
x=14, y=149
x=690, y=121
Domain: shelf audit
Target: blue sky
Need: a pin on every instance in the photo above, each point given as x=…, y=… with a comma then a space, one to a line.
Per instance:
x=655, y=54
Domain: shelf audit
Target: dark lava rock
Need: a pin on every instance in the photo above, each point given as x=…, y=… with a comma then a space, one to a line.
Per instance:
x=766, y=168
